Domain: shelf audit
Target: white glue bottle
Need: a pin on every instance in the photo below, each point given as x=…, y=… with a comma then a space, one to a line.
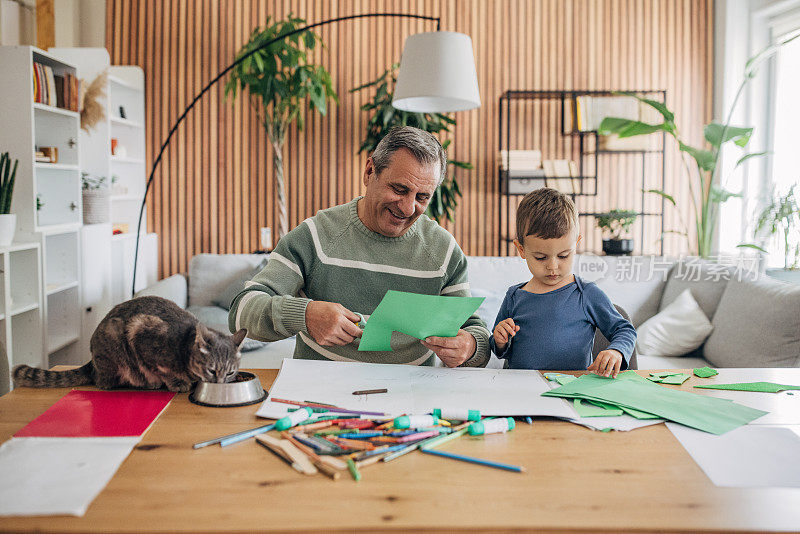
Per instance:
x=492, y=426
x=293, y=418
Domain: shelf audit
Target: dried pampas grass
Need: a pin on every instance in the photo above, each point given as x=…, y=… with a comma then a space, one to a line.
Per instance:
x=94, y=110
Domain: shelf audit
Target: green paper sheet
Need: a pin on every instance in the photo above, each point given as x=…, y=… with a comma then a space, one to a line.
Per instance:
x=416, y=315
x=705, y=372
x=709, y=414
x=673, y=379
x=560, y=378
x=593, y=409
x=665, y=374
x=764, y=387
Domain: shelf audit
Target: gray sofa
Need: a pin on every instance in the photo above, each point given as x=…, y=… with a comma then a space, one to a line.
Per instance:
x=756, y=319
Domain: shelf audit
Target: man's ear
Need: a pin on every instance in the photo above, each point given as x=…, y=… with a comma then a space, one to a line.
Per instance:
x=369, y=171
x=520, y=248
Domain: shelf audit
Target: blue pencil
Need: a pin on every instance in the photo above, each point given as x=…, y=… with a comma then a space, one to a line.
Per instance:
x=245, y=435
x=529, y=420
x=507, y=467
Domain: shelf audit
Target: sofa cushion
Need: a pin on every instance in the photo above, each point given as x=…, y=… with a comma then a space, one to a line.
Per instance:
x=676, y=330
x=490, y=277
x=210, y=274
x=706, y=279
x=757, y=324
x=217, y=318
x=224, y=299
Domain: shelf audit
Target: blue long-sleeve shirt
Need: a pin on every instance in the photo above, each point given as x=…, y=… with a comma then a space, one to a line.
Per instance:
x=556, y=329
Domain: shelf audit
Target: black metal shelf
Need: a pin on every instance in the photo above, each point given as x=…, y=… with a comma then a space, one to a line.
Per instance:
x=582, y=139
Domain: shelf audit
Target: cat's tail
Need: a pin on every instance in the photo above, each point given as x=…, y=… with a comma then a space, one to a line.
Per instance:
x=25, y=375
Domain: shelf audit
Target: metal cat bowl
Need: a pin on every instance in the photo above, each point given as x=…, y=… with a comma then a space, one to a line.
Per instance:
x=245, y=390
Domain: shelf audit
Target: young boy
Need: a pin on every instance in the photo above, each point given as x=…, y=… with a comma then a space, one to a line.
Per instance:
x=549, y=322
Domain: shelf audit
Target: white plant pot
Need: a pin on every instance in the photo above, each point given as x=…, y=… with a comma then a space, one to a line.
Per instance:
x=8, y=223
x=96, y=206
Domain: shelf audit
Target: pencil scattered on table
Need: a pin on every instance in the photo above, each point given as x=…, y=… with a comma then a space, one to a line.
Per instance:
x=321, y=438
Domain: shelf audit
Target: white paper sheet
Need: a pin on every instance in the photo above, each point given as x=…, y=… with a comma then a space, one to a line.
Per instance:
x=748, y=457
x=57, y=476
x=621, y=423
x=413, y=390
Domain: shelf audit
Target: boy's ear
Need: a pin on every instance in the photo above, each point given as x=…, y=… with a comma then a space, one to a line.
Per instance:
x=520, y=248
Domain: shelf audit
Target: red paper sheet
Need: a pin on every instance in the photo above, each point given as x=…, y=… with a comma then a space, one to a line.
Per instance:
x=87, y=414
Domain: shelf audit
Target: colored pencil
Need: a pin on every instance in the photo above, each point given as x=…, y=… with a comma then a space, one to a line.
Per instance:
x=281, y=455
x=370, y=391
x=444, y=439
x=329, y=406
x=351, y=465
x=410, y=448
x=245, y=433
x=470, y=459
x=316, y=460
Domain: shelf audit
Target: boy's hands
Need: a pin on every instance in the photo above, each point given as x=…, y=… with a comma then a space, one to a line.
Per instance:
x=607, y=363
x=503, y=332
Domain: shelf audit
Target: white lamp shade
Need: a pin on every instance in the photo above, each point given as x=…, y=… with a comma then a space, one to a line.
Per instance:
x=437, y=74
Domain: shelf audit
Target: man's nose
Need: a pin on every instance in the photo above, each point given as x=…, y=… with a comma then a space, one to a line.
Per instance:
x=407, y=205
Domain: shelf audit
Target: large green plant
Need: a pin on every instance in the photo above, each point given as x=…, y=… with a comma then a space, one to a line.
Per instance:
x=7, y=176
x=706, y=188
x=782, y=214
x=282, y=80
x=383, y=117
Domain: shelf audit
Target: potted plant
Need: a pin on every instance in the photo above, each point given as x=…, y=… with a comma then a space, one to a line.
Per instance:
x=782, y=215
x=384, y=117
x=707, y=189
x=96, y=199
x=8, y=220
x=282, y=79
x=614, y=224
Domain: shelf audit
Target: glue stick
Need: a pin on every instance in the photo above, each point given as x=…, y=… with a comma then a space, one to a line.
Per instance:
x=415, y=421
x=293, y=418
x=493, y=426
x=457, y=414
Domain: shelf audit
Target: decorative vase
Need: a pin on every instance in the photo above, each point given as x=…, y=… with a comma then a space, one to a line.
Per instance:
x=617, y=247
x=8, y=223
x=96, y=206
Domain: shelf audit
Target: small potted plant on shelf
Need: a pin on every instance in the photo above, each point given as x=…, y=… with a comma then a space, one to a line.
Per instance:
x=96, y=200
x=614, y=224
x=782, y=215
x=8, y=220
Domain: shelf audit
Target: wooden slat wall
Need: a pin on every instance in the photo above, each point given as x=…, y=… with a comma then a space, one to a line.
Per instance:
x=214, y=188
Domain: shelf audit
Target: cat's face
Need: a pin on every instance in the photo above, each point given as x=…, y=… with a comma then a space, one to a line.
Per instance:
x=216, y=357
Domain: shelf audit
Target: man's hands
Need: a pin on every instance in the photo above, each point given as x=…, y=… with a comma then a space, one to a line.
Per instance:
x=503, y=332
x=607, y=363
x=330, y=323
x=453, y=351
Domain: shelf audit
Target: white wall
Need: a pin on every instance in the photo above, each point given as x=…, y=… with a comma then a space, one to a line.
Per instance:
x=77, y=23
x=17, y=24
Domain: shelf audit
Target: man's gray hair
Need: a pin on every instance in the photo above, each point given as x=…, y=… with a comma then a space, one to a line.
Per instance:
x=423, y=145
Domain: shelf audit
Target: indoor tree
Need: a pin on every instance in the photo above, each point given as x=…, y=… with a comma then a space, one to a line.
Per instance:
x=384, y=117
x=281, y=80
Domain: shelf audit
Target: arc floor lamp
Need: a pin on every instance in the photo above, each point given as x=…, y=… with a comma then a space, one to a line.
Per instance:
x=437, y=75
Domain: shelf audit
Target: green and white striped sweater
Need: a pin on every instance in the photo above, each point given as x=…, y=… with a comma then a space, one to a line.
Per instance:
x=333, y=257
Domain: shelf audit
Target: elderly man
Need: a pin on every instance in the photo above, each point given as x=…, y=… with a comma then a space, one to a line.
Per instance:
x=345, y=258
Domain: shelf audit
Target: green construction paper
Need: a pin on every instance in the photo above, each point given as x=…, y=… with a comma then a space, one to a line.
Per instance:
x=638, y=414
x=673, y=379
x=705, y=413
x=587, y=409
x=705, y=372
x=764, y=387
x=665, y=374
x=560, y=378
x=416, y=315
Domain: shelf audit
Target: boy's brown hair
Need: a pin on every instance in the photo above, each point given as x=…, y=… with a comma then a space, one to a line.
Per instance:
x=547, y=214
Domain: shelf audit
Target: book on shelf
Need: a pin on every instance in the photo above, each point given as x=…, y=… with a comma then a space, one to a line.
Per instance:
x=584, y=113
x=57, y=90
x=520, y=160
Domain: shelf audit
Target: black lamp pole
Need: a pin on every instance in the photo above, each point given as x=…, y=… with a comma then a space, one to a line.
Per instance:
x=215, y=80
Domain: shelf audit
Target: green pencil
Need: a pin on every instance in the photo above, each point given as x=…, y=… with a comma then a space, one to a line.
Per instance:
x=351, y=465
x=443, y=439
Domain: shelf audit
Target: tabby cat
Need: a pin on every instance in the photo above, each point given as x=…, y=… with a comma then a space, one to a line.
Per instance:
x=148, y=342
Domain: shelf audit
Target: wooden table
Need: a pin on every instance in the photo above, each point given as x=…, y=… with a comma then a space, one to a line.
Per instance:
x=577, y=479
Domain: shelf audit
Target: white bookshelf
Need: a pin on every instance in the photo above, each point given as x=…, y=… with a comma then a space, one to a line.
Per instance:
x=20, y=310
x=107, y=260
x=47, y=201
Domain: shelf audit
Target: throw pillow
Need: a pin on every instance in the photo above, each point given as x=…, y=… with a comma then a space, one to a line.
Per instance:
x=679, y=328
x=706, y=279
x=227, y=295
x=757, y=324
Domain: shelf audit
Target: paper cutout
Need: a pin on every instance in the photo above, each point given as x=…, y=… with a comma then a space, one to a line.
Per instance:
x=675, y=379
x=763, y=387
x=416, y=315
x=560, y=378
x=87, y=414
x=705, y=372
x=697, y=411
